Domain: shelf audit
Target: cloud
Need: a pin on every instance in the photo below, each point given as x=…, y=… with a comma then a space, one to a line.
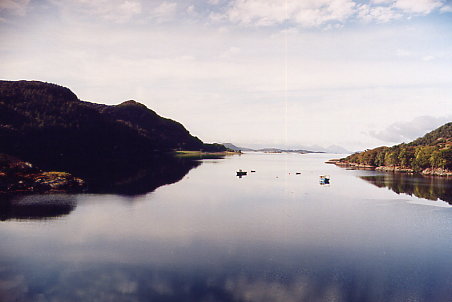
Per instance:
x=383, y=11
x=256, y=13
x=404, y=53
x=230, y=52
x=188, y=70
x=117, y=11
x=380, y=14
x=422, y=7
x=308, y=13
x=382, y=1
x=165, y=11
x=428, y=58
x=316, y=13
x=14, y=7
x=408, y=131
x=446, y=9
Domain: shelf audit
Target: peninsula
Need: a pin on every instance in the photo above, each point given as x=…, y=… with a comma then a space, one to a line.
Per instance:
x=427, y=155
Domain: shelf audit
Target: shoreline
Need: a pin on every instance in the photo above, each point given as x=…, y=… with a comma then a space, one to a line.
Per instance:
x=202, y=154
x=395, y=169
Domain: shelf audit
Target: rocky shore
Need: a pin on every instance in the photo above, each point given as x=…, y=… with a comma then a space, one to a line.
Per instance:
x=19, y=176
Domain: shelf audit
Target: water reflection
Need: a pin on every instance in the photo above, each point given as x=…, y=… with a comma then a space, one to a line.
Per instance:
x=271, y=236
x=120, y=282
x=40, y=207
x=431, y=188
x=134, y=180
x=139, y=178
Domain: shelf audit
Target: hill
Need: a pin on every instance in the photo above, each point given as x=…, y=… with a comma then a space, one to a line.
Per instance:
x=268, y=150
x=440, y=135
x=47, y=125
x=236, y=148
x=429, y=154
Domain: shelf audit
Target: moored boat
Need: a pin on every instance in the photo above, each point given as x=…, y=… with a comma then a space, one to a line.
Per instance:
x=324, y=179
x=240, y=173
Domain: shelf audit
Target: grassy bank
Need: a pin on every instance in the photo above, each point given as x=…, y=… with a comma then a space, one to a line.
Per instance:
x=202, y=155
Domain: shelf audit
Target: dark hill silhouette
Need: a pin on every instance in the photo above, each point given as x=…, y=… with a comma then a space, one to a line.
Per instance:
x=163, y=132
x=48, y=125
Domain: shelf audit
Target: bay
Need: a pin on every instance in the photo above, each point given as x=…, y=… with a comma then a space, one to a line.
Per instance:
x=271, y=235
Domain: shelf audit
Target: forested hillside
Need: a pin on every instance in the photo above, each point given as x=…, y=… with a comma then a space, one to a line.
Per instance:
x=48, y=125
x=432, y=151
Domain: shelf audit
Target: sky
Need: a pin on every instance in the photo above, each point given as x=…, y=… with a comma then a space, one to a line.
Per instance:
x=256, y=73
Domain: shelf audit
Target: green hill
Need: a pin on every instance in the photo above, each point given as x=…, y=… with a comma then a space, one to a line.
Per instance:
x=430, y=154
x=441, y=135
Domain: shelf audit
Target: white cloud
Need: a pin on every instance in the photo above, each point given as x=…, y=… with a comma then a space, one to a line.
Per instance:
x=382, y=1
x=383, y=11
x=327, y=14
x=404, y=53
x=381, y=14
x=164, y=12
x=191, y=10
x=428, y=58
x=446, y=9
x=320, y=12
x=422, y=7
x=304, y=13
x=315, y=13
x=230, y=52
x=15, y=7
x=117, y=11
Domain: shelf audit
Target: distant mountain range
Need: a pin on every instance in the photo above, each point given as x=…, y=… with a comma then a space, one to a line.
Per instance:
x=310, y=149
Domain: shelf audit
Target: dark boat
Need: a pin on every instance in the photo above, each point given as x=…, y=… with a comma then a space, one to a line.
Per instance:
x=240, y=173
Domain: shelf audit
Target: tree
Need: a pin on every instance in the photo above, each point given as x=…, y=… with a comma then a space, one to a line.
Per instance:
x=406, y=156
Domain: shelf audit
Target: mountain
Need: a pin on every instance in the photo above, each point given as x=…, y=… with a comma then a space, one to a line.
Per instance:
x=301, y=149
x=47, y=125
x=337, y=149
x=330, y=149
x=236, y=148
x=430, y=154
x=277, y=150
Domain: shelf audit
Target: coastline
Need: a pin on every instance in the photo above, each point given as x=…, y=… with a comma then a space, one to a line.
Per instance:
x=18, y=176
x=394, y=169
x=202, y=154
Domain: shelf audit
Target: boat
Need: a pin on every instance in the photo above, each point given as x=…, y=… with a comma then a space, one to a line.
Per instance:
x=324, y=179
x=240, y=173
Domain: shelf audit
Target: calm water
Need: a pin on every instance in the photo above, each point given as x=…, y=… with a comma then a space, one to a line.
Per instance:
x=271, y=235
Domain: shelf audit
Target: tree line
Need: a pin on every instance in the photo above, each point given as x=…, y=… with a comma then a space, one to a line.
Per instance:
x=434, y=150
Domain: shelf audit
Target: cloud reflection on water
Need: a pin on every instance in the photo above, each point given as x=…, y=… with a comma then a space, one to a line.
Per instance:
x=213, y=237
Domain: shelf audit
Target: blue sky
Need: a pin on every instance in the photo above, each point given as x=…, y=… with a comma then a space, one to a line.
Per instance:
x=253, y=72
